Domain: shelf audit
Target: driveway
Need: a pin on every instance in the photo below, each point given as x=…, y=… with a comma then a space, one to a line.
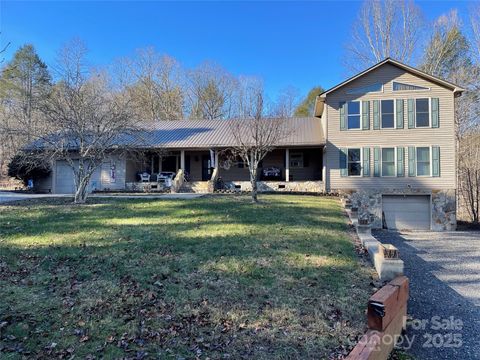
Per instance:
x=444, y=272
x=6, y=196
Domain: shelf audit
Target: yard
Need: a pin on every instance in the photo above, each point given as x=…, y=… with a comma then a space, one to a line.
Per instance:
x=211, y=277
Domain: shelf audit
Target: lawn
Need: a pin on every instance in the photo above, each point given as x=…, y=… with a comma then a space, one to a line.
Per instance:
x=214, y=277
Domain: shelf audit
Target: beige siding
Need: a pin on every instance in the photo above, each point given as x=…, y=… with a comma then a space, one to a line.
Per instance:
x=442, y=136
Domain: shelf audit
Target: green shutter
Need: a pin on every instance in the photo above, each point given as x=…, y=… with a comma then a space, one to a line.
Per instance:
x=436, y=161
x=412, y=171
x=343, y=162
x=435, y=110
x=400, y=161
x=366, y=161
x=411, y=114
x=343, y=115
x=376, y=161
x=399, y=106
x=376, y=114
x=365, y=115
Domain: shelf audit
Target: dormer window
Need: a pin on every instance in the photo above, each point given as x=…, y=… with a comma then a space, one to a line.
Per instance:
x=377, y=87
x=398, y=86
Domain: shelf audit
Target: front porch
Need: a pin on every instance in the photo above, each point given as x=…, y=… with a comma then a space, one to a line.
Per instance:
x=208, y=170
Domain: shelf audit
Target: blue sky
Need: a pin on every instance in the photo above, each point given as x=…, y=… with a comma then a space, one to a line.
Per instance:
x=298, y=44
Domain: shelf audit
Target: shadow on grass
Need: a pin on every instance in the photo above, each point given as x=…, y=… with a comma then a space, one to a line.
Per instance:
x=218, y=276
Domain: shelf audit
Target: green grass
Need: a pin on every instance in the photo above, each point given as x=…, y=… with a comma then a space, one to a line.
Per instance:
x=213, y=277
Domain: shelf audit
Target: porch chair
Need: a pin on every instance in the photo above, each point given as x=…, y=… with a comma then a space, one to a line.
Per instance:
x=145, y=177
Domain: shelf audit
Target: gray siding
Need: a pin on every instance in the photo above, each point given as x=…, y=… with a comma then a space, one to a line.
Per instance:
x=442, y=136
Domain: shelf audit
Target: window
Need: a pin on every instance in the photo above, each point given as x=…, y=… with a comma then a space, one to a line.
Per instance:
x=422, y=113
x=388, y=162
x=296, y=160
x=353, y=108
x=423, y=161
x=388, y=114
x=354, y=162
x=377, y=87
x=407, y=87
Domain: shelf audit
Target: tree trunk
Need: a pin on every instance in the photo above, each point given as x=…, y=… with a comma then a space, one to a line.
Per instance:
x=253, y=181
x=81, y=192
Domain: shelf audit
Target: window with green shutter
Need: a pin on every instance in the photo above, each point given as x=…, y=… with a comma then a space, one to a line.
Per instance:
x=365, y=115
x=366, y=161
x=411, y=113
x=376, y=161
x=399, y=110
x=435, y=112
x=343, y=161
x=435, y=161
x=376, y=114
x=400, y=161
x=343, y=115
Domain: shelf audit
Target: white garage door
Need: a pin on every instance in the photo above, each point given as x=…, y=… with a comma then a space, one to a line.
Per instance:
x=64, y=179
x=407, y=212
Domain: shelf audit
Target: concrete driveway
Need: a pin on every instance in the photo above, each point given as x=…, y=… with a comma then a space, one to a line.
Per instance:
x=6, y=196
x=444, y=272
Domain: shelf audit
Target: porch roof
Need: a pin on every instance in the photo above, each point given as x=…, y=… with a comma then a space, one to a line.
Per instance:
x=198, y=134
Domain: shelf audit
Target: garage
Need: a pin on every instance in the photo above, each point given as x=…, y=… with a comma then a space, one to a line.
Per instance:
x=64, y=183
x=406, y=212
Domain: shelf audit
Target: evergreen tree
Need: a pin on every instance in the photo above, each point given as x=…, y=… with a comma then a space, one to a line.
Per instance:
x=305, y=108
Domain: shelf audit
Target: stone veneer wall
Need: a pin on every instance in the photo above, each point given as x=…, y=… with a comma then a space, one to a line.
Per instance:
x=369, y=203
x=279, y=186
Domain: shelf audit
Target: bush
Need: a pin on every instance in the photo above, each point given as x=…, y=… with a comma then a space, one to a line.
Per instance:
x=20, y=167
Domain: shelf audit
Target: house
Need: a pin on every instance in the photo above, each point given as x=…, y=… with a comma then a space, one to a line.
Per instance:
x=390, y=145
x=384, y=137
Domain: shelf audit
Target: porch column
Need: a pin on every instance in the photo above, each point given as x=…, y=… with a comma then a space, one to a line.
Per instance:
x=182, y=160
x=216, y=158
x=287, y=165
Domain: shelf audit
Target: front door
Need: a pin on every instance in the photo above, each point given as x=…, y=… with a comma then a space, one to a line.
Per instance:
x=206, y=168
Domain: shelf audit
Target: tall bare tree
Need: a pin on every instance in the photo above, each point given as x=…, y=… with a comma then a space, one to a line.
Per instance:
x=389, y=28
x=85, y=120
x=256, y=135
x=154, y=83
x=211, y=92
x=469, y=173
x=286, y=102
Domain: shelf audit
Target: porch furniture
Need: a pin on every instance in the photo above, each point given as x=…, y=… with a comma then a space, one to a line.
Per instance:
x=144, y=177
x=272, y=173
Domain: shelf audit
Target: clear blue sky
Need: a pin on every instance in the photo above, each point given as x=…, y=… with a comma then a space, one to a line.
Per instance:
x=286, y=43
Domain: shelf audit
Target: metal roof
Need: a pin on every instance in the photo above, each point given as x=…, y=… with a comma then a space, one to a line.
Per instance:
x=218, y=133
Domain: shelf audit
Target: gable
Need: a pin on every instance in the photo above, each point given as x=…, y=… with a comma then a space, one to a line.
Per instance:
x=386, y=76
x=385, y=72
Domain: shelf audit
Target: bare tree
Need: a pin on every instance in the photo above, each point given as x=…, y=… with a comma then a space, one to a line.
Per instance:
x=154, y=83
x=389, y=28
x=256, y=135
x=286, y=102
x=211, y=92
x=469, y=173
x=86, y=121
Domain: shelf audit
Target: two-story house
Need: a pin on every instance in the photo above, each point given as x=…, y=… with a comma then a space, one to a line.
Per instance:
x=390, y=143
x=386, y=137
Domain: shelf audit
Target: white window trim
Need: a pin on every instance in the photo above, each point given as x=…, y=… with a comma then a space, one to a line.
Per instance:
x=394, y=115
x=351, y=91
x=394, y=159
x=360, y=123
x=429, y=113
x=361, y=161
x=430, y=158
x=407, y=91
